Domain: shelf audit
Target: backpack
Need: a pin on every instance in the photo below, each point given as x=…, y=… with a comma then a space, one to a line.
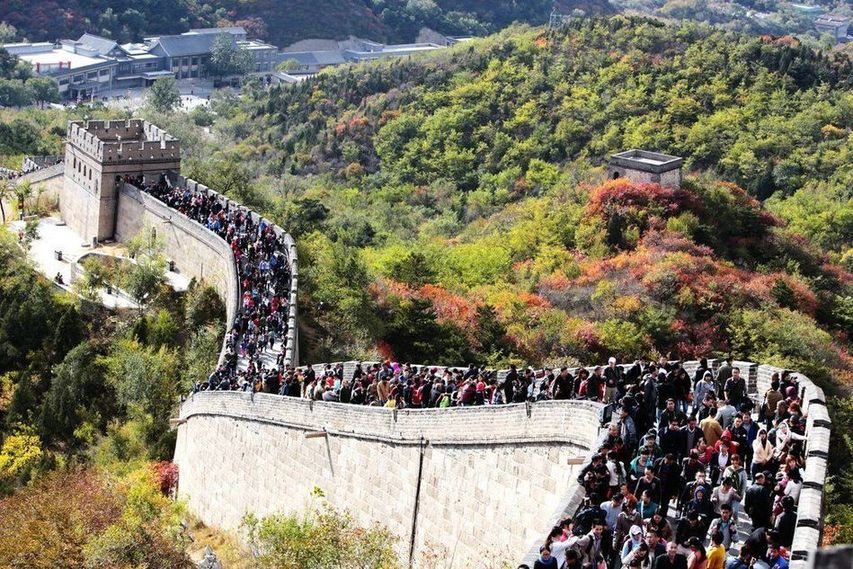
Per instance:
x=605, y=414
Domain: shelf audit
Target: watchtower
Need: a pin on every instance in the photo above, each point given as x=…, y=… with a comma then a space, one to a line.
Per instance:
x=99, y=152
x=647, y=167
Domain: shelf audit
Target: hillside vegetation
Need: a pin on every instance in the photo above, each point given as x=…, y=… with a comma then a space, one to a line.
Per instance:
x=454, y=207
x=379, y=20
x=469, y=182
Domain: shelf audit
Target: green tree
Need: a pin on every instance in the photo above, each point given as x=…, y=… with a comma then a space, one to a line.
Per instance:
x=31, y=232
x=229, y=58
x=415, y=335
x=78, y=394
x=8, y=33
x=144, y=278
x=143, y=377
x=287, y=65
x=93, y=278
x=413, y=269
x=203, y=354
x=23, y=192
x=44, y=90
x=163, y=96
x=203, y=306
x=14, y=93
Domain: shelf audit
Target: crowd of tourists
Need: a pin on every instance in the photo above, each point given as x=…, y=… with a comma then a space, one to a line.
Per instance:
x=260, y=326
x=686, y=459
x=687, y=465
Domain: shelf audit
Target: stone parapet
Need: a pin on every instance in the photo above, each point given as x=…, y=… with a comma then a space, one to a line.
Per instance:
x=580, y=425
x=291, y=346
x=468, y=486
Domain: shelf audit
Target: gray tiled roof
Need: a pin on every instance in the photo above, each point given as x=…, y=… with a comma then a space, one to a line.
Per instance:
x=230, y=29
x=190, y=44
x=102, y=45
x=330, y=57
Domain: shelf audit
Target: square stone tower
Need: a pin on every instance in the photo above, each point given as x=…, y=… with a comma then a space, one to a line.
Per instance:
x=646, y=167
x=96, y=152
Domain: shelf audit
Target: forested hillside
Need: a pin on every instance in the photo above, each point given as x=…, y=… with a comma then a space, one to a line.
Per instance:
x=463, y=189
x=454, y=208
x=281, y=23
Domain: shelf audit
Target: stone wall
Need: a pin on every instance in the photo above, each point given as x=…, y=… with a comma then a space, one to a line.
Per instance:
x=494, y=479
x=197, y=252
x=490, y=476
x=671, y=178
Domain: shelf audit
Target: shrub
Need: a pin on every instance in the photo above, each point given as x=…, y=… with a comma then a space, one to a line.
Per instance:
x=322, y=538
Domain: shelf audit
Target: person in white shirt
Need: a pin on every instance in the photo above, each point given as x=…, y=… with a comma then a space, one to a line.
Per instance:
x=612, y=509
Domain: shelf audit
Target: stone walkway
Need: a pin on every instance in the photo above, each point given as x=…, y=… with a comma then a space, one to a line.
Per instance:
x=54, y=235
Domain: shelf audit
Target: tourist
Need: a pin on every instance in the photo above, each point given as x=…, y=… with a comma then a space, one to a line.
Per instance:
x=545, y=560
x=671, y=559
x=725, y=525
x=717, y=552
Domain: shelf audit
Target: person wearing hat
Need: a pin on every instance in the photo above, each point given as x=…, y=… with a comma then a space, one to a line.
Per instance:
x=700, y=504
x=635, y=538
x=640, y=558
x=613, y=383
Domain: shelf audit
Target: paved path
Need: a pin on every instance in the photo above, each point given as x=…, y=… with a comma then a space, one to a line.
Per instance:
x=53, y=236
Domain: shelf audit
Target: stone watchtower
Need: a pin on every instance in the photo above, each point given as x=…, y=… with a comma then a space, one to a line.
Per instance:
x=96, y=152
x=646, y=167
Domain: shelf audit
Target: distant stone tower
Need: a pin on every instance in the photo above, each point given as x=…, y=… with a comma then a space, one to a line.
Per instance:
x=96, y=152
x=645, y=166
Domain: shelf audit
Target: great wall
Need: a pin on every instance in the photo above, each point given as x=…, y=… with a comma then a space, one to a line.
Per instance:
x=461, y=486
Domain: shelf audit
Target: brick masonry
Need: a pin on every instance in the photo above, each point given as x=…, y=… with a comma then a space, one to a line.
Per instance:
x=491, y=477
x=494, y=479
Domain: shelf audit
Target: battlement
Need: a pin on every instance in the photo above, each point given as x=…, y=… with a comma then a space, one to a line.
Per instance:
x=96, y=153
x=133, y=140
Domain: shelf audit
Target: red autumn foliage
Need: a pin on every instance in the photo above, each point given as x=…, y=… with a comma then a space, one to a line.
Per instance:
x=450, y=307
x=622, y=195
x=385, y=349
x=166, y=476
